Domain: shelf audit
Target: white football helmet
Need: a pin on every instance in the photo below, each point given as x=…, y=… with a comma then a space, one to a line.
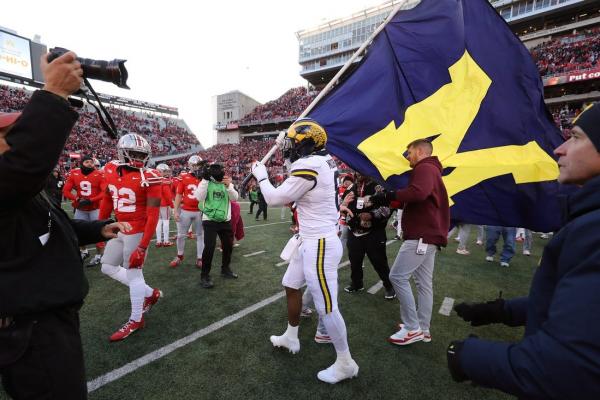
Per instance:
x=134, y=150
x=194, y=163
x=164, y=169
x=96, y=163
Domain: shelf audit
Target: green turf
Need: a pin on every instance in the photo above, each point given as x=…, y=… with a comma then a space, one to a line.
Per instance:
x=238, y=361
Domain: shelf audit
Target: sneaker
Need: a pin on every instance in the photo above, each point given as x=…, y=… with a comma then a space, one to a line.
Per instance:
x=228, y=274
x=390, y=294
x=199, y=263
x=489, y=258
x=526, y=253
x=463, y=252
x=426, y=334
x=479, y=242
x=306, y=312
x=95, y=261
x=293, y=345
x=404, y=337
x=504, y=264
x=457, y=239
x=176, y=261
x=152, y=299
x=126, y=330
x=338, y=372
x=206, y=283
x=236, y=245
x=352, y=289
x=321, y=337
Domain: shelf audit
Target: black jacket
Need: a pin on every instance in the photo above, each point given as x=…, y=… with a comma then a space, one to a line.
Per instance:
x=35, y=277
x=379, y=213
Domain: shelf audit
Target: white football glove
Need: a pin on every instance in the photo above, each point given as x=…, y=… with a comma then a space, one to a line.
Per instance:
x=280, y=141
x=259, y=171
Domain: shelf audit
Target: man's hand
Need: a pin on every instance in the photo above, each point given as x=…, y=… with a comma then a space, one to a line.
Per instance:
x=227, y=181
x=346, y=210
x=348, y=199
x=280, y=140
x=453, y=358
x=479, y=314
x=259, y=171
x=110, y=231
x=136, y=260
x=63, y=76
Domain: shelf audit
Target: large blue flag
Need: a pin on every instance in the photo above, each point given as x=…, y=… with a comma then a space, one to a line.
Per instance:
x=453, y=72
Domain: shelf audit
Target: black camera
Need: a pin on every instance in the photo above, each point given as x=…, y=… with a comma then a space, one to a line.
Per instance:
x=109, y=71
x=213, y=172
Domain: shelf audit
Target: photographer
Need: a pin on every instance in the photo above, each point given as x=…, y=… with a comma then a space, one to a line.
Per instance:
x=214, y=195
x=42, y=285
x=367, y=234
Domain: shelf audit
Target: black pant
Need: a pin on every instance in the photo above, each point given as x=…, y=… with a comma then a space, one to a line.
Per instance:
x=262, y=207
x=211, y=230
x=373, y=245
x=52, y=365
x=252, y=203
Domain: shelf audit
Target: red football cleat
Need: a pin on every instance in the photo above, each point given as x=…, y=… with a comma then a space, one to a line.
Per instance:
x=159, y=244
x=126, y=330
x=176, y=261
x=167, y=244
x=152, y=299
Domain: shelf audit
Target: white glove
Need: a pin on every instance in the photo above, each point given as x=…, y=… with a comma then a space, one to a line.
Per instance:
x=280, y=141
x=259, y=171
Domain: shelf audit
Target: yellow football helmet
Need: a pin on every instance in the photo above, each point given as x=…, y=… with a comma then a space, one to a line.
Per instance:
x=304, y=137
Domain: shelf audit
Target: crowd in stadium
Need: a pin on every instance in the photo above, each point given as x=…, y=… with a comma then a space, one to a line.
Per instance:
x=165, y=134
x=288, y=106
x=578, y=51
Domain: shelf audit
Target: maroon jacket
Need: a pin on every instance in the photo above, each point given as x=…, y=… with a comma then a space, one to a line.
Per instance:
x=426, y=211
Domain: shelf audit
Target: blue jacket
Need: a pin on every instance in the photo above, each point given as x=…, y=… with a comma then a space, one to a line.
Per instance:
x=559, y=356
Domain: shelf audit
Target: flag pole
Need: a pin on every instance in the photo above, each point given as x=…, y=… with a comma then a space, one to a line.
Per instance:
x=337, y=76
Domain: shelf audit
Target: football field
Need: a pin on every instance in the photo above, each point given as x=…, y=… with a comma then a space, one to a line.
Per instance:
x=214, y=344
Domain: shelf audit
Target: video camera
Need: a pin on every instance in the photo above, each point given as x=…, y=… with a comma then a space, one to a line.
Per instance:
x=213, y=172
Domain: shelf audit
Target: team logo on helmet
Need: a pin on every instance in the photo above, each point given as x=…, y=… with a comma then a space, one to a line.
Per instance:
x=307, y=128
x=134, y=150
x=195, y=162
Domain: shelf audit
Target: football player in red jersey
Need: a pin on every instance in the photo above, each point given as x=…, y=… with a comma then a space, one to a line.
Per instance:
x=189, y=214
x=87, y=183
x=134, y=193
x=166, y=205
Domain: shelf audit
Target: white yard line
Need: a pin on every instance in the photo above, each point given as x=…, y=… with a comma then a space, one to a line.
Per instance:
x=168, y=349
x=282, y=263
x=446, y=307
x=255, y=253
x=375, y=288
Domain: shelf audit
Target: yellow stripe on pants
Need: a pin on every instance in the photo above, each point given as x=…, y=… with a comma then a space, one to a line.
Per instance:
x=321, y=275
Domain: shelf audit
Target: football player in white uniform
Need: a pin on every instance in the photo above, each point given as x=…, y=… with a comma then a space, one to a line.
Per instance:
x=312, y=184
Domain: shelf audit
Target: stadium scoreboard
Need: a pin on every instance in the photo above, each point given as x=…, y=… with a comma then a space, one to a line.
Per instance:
x=19, y=58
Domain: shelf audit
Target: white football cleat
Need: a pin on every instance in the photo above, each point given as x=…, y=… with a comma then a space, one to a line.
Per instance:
x=338, y=372
x=293, y=345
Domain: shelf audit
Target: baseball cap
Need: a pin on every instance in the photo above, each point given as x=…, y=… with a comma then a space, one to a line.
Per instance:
x=7, y=119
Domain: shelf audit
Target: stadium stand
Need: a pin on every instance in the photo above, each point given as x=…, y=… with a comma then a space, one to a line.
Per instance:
x=166, y=135
x=287, y=106
x=577, y=51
